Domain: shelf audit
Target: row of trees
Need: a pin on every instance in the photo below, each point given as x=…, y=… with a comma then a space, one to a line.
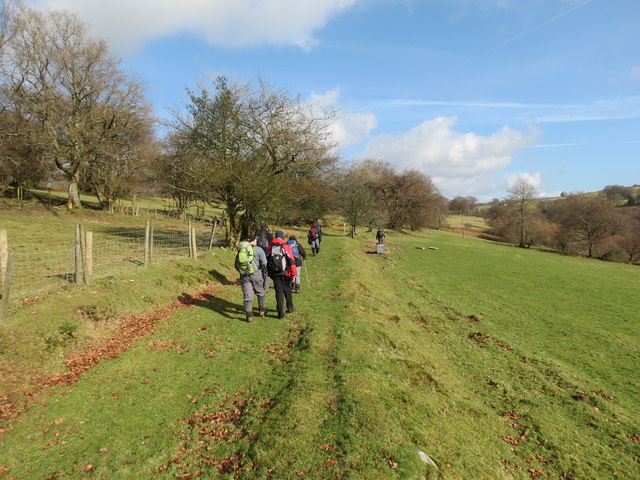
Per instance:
x=588, y=224
x=265, y=156
x=262, y=154
x=373, y=193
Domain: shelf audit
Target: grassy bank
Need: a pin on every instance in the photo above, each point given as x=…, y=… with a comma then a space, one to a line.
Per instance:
x=483, y=359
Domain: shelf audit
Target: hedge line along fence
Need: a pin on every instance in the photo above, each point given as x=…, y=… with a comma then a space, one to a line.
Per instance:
x=34, y=265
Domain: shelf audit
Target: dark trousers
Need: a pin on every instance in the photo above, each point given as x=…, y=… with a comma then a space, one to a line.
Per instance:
x=283, y=292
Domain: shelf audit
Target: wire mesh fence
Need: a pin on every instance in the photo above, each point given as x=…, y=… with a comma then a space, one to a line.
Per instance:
x=45, y=262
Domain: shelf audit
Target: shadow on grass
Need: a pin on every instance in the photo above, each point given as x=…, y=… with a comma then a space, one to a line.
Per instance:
x=220, y=277
x=219, y=305
x=67, y=277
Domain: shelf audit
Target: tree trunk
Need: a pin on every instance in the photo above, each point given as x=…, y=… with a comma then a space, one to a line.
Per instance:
x=232, y=226
x=102, y=198
x=74, y=193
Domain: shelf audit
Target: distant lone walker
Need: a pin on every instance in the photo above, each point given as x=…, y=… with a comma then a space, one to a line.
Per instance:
x=313, y=238
x=380, y=236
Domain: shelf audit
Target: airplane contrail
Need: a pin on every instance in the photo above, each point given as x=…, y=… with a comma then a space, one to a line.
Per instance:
x=547, y=22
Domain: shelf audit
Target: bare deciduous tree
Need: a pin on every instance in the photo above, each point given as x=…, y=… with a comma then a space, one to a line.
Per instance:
x=462, y=204
x=587, y=219
x=125, y=167
x=629, y=241
x=246, y=147
x=397, y=200
x=68, y=84
x=522, y=192
x=22, y=165
x=177, y=173
x=355, y=198
x=617, y=193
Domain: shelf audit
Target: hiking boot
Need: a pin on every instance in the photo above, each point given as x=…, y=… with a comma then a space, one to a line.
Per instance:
x=262, y=312
x=281, y=316
x=249, y=317
x=291, y=309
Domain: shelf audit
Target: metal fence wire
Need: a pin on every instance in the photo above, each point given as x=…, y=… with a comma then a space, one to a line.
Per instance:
x=45, y=262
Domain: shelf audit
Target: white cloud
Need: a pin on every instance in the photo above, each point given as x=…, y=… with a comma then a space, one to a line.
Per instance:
x=479, y=186
x=130, y=24
x=348, y=128
x=486, y=187
x=352, y=128
x=534, y=178
x=442, y=153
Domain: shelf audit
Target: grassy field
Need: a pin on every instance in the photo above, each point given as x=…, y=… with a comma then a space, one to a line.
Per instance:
x=448, y=357
x=41, y=234
x=467, y=225
x=45, y=213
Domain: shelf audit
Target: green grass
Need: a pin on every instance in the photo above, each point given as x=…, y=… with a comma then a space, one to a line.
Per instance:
x=496, y=362
x=473, y=225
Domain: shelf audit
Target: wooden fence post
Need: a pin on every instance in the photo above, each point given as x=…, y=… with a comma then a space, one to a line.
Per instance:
x=6, y=270
x=189, y=240
x=78, y=255
x=151, y=244
x=194, y=243
x=4, y=253
x=87, y=257
x=6, y=288
x=213, y=233
x=147, y=249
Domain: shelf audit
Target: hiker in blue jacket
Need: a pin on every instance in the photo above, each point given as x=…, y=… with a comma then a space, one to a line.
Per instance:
x=300, y=254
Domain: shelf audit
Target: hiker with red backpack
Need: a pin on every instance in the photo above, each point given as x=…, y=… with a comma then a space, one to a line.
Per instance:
x=281, y=266
x=299, y=254
x=313, y=237
x=250, y=263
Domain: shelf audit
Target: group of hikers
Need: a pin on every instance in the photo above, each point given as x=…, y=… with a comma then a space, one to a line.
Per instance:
x=264, y=259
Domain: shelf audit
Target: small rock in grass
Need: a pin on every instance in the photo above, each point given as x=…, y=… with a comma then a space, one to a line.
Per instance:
x=426, y=459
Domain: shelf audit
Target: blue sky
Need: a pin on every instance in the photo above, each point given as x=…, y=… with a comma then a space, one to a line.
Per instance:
x=473, y=93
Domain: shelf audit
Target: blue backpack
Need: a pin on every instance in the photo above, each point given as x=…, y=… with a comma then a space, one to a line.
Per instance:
x=294, y=249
